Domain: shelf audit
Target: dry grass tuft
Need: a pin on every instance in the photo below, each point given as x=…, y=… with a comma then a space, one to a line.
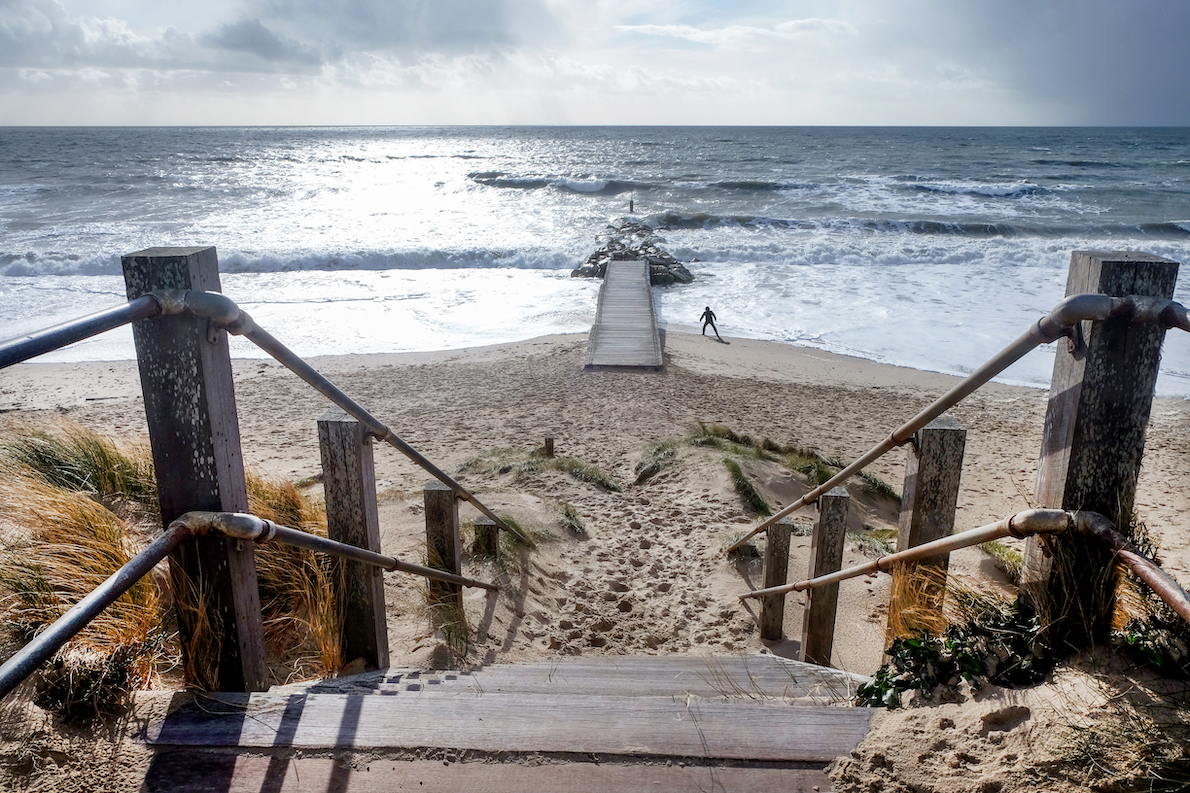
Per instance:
x=81, y=506
x=72, y=545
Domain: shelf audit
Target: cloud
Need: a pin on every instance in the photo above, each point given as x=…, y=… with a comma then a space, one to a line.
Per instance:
x=744, y=36
x=251, y=37
x=444, y=26
x=42, y=33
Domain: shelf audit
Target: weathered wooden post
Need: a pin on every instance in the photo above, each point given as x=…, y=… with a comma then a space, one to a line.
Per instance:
x=929, y=498
x=549, y=445
x=444, y=549
x=349, y=482
x=826, y=556
x=776, y=570
x=1094, y=440
x=487, y=538
x=190, y=406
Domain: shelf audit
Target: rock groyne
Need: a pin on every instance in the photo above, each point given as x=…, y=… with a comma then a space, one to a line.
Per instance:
x=630, y=241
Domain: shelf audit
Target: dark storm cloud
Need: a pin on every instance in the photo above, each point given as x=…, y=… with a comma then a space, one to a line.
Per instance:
x=249, y=36
x=1090, y=61
x=1110, y=62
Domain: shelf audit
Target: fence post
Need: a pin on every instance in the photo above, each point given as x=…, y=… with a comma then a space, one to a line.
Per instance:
x=487, y=538
x=776, y=569
x=443, y=545
x=933, y=467
x=826, y=556
x=349, y=482
x=1093, y=443
x=194, y=432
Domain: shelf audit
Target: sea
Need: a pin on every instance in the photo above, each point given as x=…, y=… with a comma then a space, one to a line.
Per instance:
x=931, y=248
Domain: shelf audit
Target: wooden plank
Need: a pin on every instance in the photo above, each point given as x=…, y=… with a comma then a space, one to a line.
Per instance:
x=188, y=771
x=826, y=556
x=195, y=437
x=776, y=569
x=933, y=467
x=1093, y=442
x=349, y=485
x=625, y=328
x=759, y=676
x=657, y=726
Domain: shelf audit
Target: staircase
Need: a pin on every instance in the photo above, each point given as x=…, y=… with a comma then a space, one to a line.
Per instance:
x=654, y=723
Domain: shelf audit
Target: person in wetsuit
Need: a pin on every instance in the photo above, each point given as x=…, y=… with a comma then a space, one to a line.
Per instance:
x=708, y=318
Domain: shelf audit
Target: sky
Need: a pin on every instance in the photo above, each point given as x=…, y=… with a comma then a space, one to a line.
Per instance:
x=708, y=62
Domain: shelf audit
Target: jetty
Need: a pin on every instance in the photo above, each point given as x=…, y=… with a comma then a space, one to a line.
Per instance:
x=625, y=330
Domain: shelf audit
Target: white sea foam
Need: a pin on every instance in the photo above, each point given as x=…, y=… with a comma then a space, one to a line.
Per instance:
x=925, y=248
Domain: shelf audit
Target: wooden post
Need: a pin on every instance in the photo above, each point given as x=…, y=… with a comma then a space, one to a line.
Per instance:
x=349, y=482
x=776, y=569
x=443, y=546
x=929, y=498
x=195, y=436
x=826, y=556
x=487, y=538
x=549, y=445
x=1094, y=440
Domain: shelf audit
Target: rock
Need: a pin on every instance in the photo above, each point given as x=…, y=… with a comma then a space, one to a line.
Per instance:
x=628, y=241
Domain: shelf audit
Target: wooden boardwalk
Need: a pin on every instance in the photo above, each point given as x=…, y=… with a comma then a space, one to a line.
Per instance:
x=751, y=722
x=625, y=329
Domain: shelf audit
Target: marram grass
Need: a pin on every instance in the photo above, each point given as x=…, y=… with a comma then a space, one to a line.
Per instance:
x=59, y=485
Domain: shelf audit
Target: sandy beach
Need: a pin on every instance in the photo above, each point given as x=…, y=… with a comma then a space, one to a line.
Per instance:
x=663, y=540
x=650, y=576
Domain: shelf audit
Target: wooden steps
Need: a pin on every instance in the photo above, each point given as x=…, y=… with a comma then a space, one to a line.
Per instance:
x=742, y=716
x=625, y=329
x=193, y=772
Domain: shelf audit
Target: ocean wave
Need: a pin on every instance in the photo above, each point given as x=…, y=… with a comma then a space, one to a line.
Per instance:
x=1011, y=190
x=1177, y=230
x=60, y=264
x=1082, y=163
x=569, y=184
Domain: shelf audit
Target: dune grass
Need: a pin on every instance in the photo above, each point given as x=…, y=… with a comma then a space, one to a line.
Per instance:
x=73, y=544
x=521, y=463
x=572, y=520
x=83, y=505
x=655, y=457
x=746, y=490
x=817, y=468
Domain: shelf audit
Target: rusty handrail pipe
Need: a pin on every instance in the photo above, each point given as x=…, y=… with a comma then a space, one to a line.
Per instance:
x=22, y=348
x=242, y=526
x=1020, y=525
x=1144, y=568
x=237, y=526
x=1056, y=324
x=224, y=313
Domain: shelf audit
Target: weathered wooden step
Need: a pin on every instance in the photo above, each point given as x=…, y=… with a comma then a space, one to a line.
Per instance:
x=736, y=677
x=200, y=772
x=552, y=723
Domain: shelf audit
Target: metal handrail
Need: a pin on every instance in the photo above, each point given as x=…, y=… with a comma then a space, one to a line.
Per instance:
x=1055, y=325
x=223, y=313
x=1020, y=525
x=22, y=348
x=238, y=526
